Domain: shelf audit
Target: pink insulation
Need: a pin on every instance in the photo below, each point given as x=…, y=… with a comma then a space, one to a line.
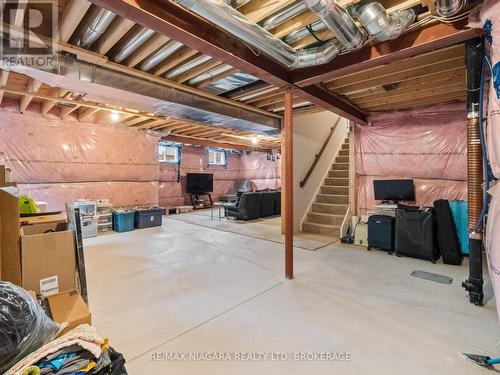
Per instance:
x=252, y=166
x=426, y=191
x=426, y=144
x=59, y=161
x=490, y=11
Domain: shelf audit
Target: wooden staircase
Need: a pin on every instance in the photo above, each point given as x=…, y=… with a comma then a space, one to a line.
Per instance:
x=330, y=207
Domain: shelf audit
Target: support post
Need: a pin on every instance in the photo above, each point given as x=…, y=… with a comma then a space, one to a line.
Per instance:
x=288, y=159
x=474, y=54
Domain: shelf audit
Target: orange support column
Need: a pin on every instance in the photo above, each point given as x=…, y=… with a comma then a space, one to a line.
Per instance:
x=288, y=182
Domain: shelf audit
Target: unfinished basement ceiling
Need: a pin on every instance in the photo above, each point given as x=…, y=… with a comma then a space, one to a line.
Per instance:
x=127, y=43
x=100, y=37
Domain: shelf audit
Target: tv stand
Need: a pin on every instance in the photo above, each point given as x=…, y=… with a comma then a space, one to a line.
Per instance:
x=195, y=198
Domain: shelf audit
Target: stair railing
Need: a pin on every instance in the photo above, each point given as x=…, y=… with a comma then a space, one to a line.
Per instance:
x=318, y=156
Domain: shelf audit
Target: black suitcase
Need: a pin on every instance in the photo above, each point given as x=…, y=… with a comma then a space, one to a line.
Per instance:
x=415, y=233
x=381, y=232
x=447, y=233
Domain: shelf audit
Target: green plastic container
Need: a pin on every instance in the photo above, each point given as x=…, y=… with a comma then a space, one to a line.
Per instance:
x=123, y=221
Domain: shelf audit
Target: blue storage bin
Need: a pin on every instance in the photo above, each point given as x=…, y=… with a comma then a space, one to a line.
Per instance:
x=148, y=217
x=460, y=212
x=123, y=221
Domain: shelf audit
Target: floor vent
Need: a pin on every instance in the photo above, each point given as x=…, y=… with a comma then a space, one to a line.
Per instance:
x=432, y=277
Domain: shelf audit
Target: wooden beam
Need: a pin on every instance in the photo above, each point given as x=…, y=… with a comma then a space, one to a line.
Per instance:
x=65, y=111
x=178, y=57
x=211, y=143
x=200, y=69
x=216, y=78
x=117, y=30
x=176, y=22
x=32, y=87
x=47, y=105
x=410, y=44
x=86, y=114
x=4, y=77
x=328, y=100
x=442, y=67
x=257, y=10
x=71, y=17
x=150, y=46
x=420, y=61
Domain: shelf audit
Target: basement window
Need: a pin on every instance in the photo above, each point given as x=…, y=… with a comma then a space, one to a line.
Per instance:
x=168, y=153
x=217, y=157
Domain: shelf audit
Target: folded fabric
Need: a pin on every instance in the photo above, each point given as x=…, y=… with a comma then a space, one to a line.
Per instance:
x=84, y=336
x=57, y=363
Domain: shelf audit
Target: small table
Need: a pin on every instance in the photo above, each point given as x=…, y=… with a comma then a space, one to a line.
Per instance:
x=220, y=207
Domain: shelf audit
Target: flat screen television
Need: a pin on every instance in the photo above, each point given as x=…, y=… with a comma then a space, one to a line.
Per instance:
x=394, y=190
x=199, y=183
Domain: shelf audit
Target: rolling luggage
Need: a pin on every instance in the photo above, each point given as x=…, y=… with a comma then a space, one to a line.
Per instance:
x=460, y=212
x=415, y=233
x=446, y=233
x=381, y=232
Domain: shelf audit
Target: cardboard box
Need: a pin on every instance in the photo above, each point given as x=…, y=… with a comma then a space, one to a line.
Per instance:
x=48, y=258
x=69, y=307
x=10, y=253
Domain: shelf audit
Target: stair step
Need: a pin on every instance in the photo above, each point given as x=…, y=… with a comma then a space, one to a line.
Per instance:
x=322, y=218
x=338, y=173
x=343, y=153
x=332, y=199
x=340, y=166
x=345, y=146
x=342, y=159
x=329, y=230
x=334, y=181
x=337, y=190
x=329, y=208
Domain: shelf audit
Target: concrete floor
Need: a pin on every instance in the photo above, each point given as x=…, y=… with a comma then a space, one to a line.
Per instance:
x=185, y=288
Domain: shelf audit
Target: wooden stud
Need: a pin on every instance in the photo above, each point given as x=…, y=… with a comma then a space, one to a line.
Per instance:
x=71, y=17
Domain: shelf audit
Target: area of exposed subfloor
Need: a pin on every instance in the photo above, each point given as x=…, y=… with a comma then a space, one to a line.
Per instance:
x=187, y=288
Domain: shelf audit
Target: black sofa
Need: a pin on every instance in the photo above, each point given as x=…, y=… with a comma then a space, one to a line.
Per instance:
x=254, y=205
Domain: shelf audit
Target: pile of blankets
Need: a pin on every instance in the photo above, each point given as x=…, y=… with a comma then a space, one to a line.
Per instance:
x=80, y=351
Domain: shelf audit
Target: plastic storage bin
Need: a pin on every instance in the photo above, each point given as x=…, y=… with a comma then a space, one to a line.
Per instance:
x=148, y=217
x=123, y=221
x=460, y=212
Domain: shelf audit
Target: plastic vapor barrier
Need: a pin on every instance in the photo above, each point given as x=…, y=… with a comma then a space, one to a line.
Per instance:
x=252, y=166
x=426, y=144
x=59, y=161
x=489, y=18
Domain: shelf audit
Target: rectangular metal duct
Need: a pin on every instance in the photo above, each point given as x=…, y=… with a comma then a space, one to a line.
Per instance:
x=103, y=85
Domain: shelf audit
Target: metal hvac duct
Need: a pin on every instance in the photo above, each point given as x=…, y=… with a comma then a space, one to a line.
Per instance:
x=187, y=66
x=287, y=13
x=339, y=22
x=448, y=8
x=211, y=73
x=97, y=22
x=237, y=3
x=232, y=82
x=222, y=15
x=305, y=31
x=382, y=26
x=161, y=55
x=135, y=42
x=101, y=84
